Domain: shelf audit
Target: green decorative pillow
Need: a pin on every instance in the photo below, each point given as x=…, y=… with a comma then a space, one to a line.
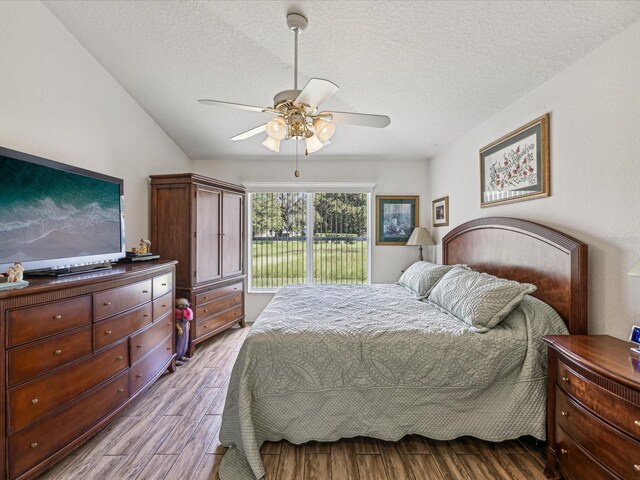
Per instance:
x=479, y=299
x=421, y=277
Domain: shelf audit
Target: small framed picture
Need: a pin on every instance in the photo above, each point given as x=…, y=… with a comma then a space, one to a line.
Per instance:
x=440, y=212
x=396, y=217
x=516, y=166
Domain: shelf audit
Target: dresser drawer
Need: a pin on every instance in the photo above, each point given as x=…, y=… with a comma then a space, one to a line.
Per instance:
x=577, y=464
x=607, y=405
x=28, y=361
x=213, y=323
x=112, y=330
x=598, y=438
x=39, y=321
x=35, y=443
x=116, y=300
x=162, y=305
x=215, y=293
x=39, y=397
x=148, y=339
x=142, y=372
x=162, y=285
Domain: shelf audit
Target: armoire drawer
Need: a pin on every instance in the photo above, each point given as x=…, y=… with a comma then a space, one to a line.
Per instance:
x=218, y=306
x=109, y=331
x=213, y=323
x=29, y=361
x=149, y=338
x=43, y=395
x=215, y=293
x=35, y=443
x=606, y=404
x=143, y=371
x=116, y=300
x=40, y=321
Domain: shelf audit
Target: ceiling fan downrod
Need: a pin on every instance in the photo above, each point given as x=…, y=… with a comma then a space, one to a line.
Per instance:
x=297, y=24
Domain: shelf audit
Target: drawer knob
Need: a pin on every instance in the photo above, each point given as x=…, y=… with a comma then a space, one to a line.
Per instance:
x=138, y=375
x=107, y=332
x=565, y=379
x=57, y=317
x=106, y=304
x=168, y=348
x=34, y=445
x=34, y=401
x=163, y=284
x=120, y=390
x=145, y=291
x=138, y=346
x=636, y=423
x=164, y=305
x=206, y=311
x=145, y=314
x=636, y=468
x=57, y=352
x=168, y=324
x=205, y=297
x=119, y=357
x=564, y=451
x=204, y=326
x=565, y=414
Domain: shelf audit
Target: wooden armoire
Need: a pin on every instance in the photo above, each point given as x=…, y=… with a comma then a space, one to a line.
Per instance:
x=199, y=221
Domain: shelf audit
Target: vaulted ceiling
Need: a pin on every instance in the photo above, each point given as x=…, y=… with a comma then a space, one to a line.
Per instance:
x=438, y=69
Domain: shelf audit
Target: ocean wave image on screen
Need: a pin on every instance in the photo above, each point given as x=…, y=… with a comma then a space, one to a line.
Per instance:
x=47, y=213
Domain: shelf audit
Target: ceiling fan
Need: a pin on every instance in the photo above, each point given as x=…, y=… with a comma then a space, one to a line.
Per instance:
x=296, y=111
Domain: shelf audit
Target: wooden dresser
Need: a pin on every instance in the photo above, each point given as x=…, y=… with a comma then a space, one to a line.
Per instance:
x=77, y=350
x=199, y=221
x=593, y=425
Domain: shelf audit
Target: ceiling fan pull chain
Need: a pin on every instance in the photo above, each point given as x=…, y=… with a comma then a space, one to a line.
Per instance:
x=297, y=172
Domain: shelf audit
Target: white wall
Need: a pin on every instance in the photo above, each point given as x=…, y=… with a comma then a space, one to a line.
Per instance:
x=595, y=172
x=57, y=102
x=393, y=176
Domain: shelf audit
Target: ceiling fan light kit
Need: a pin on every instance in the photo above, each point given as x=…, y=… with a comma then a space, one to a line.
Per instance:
x=297, y=110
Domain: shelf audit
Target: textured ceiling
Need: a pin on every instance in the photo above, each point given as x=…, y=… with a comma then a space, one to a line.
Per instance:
x=437, y=69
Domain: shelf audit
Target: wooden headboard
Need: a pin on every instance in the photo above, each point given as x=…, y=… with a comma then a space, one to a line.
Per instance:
x=526, y=252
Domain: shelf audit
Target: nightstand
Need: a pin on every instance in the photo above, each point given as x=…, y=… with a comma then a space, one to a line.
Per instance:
x=593, y=410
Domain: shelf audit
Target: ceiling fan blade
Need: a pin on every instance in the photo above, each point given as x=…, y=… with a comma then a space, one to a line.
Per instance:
x=363, y=119
x=240, y=106
x=316, y=91
x=250, y=133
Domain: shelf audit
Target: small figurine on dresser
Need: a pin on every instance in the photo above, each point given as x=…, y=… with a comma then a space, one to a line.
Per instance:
x=14, y=277
x=183, y=315
x=143, y=249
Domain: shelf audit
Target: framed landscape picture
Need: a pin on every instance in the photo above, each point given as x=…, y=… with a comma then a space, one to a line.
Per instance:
x=516, y=166
x=440, y=212
x=396, y=217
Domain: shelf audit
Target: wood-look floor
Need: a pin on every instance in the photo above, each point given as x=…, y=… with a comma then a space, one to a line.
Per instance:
x=172, y=433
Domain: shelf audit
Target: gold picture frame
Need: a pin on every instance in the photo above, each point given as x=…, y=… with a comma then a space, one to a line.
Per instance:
x=396, y=217
x=440, y=212
x=516, y=166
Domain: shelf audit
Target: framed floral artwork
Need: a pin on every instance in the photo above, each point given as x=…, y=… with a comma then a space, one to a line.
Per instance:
x=396, y=217
x=440, y=212
x=516, y=166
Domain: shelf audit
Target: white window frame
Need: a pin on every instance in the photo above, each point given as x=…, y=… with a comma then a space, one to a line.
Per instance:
x=309, y=189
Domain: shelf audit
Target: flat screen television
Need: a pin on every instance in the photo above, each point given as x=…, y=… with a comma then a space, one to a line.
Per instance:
x=56, y=217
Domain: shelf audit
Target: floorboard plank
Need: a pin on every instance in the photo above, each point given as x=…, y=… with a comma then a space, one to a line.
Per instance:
x=317, y=466
x=270, y=463
x=291, y=465
x=207, y=469
x=343, y=460
x=477, y=468
x=415, y=444
x=395, y=461
x=528, y=466
x=424, y=467
x=370, y=467
x=366, y=446
x=448, y=462
x=157, y=468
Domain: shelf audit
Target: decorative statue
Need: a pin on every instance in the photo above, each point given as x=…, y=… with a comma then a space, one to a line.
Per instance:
x=145, y=246
x=15, y=273
x=184, y=315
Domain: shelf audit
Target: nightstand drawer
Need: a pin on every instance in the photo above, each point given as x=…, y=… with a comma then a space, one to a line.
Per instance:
x=577, y=464
x=606, y=404
x=607, y=445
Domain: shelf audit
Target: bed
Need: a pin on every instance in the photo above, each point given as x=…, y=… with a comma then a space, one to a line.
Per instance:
x=324, y=362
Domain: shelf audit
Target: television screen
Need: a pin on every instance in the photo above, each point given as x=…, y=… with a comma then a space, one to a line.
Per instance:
x=54, y=215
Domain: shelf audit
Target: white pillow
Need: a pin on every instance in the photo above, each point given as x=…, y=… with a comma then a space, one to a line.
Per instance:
x=421, y=277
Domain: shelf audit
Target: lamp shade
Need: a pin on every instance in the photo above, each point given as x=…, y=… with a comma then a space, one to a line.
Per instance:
x=272, y=144
x=635, y=269
x=420, y=236
x=324, y=129
x=277, y=128
x=313, y=144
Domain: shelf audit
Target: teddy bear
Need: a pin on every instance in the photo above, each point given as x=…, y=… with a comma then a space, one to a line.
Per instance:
x=183, y=315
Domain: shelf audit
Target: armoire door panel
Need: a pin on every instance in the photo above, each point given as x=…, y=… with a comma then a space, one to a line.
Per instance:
x=232, y=205
x=207, y=266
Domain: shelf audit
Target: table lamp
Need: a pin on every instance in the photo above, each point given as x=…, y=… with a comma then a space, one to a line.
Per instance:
x=420, y=236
